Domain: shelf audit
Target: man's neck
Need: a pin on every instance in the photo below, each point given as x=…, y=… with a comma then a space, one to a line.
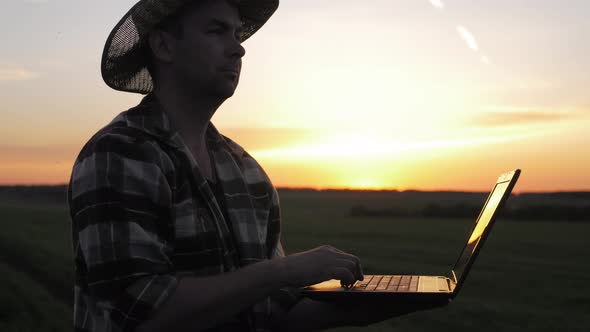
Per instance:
x=189, y=114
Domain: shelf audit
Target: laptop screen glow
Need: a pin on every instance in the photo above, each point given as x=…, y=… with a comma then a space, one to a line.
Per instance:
x=480, y=228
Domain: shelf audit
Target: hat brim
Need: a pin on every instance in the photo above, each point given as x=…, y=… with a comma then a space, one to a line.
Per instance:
x=125, y=57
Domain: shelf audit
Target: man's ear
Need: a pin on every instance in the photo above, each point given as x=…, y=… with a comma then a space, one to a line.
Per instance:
x=162, y=45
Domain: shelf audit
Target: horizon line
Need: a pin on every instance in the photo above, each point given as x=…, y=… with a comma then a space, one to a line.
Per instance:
x=319, y=189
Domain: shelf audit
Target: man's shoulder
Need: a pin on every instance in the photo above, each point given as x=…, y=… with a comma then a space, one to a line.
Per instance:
x=234, y=147
x=254, y=173
x=120, y=159
x=120, y=138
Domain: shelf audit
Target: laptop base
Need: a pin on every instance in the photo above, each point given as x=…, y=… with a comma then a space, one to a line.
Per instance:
x=386, y=287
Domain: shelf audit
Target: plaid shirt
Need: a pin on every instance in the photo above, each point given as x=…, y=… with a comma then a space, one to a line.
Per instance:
x=143, y=216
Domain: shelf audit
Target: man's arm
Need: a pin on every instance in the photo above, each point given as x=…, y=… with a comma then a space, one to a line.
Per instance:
x=204, y=302
x=198, y=303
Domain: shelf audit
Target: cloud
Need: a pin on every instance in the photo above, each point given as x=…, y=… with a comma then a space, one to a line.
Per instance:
x=355, y=149
x=266, y=138
x=511, y=116
x=437, y=3
x=468, y=37
x=16, y=74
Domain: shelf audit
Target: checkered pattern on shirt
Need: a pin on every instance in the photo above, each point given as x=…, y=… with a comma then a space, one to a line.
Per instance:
x=143, y=216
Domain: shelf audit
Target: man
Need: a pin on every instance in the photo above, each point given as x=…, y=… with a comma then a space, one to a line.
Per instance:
x=175, y=227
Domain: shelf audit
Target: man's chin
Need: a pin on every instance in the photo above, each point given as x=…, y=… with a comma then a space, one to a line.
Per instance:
x=226, y=93
x=226, y=90
x=222, y=89
x=219, y=92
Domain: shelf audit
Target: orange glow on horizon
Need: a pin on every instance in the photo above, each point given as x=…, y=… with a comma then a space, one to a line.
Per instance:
x=306, y=159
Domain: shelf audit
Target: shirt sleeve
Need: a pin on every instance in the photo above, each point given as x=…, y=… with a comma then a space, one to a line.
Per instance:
x=119, y=204
x=284, y=298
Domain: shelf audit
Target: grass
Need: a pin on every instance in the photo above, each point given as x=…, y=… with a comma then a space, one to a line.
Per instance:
x=27, y=306
x=36, y=241
x=530, y=275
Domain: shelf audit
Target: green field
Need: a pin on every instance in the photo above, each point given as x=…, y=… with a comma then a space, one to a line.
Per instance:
x=530, y=275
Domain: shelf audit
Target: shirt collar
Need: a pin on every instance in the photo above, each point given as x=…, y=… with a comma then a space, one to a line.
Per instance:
x=149, y=116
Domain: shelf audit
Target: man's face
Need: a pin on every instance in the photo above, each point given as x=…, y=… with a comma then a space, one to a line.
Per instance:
x=208, y=57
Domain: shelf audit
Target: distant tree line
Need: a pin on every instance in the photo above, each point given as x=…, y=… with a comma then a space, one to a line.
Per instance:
x=549, y=212
x=569, y=206
x=34, y=194
x=463, y=210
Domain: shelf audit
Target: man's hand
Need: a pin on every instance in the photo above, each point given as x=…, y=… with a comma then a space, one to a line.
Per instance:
x=320, y=264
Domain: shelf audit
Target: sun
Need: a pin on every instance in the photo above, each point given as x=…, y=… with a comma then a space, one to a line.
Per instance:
x=372, y=183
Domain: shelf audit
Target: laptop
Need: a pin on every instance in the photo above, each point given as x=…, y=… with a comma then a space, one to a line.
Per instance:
x=421, y=288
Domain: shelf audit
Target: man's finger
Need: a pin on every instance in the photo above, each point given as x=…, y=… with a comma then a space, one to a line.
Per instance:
x=347, y=263
x=344, y=275
x=353, y=266
x=358, y=270
x=362, y=274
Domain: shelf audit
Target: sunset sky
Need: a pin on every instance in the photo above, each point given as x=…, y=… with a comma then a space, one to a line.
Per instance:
x=374, y=94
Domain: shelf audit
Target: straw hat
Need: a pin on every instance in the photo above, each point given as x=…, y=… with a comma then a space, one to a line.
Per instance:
x=126, y=52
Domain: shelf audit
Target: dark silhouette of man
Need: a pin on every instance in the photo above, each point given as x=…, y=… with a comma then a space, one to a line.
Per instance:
x=175, y=226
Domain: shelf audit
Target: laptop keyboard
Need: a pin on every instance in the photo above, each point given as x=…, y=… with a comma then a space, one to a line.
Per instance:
x=388, y=283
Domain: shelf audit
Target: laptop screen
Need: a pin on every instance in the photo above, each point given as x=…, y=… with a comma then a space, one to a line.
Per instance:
x=482, y=224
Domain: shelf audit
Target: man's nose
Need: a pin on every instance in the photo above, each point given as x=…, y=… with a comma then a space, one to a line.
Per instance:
x=236, y=49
